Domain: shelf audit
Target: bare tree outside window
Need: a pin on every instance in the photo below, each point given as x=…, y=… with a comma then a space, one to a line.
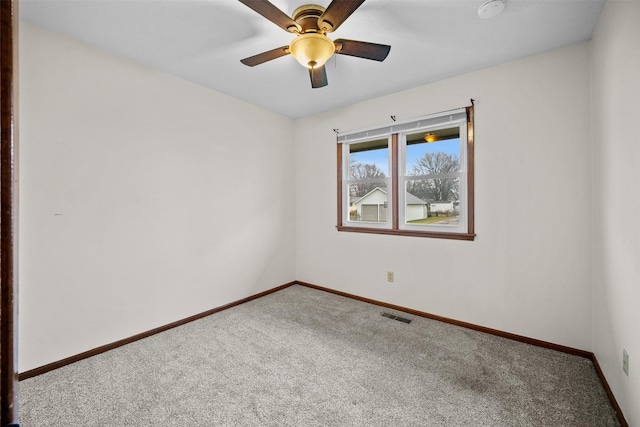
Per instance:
x=435, y=189
x=364, y=171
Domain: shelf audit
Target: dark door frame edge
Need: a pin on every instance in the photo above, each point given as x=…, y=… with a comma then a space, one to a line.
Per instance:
x=8, y=213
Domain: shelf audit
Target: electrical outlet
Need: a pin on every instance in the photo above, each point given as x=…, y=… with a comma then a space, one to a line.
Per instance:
x=389, y=276
x=625, y=361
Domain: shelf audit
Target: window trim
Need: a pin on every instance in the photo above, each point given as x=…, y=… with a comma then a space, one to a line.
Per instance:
x=403, y=175
x=389, y=187
x=396, y=229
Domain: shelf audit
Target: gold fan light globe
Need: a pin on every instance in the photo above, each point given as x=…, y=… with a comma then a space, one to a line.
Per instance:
x=312, y=50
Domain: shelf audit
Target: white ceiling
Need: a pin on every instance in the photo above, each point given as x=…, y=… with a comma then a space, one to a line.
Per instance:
x=204, y=40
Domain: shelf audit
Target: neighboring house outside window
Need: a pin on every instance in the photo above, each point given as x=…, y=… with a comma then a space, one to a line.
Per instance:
x=410, y=178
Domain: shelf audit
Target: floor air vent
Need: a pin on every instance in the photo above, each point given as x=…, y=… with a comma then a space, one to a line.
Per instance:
x=394, y=317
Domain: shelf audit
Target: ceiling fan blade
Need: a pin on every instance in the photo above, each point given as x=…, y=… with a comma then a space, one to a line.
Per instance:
x=337, y=12
x=374, y=51
x=318, y=77
x=258, y=59
x=273, y=14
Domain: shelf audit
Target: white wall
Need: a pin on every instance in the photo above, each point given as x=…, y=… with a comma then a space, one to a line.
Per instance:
x=528, y=271
x=616, y=199
x=144, y=198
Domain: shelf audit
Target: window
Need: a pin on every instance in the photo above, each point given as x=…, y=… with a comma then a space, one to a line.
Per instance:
x=412, y=178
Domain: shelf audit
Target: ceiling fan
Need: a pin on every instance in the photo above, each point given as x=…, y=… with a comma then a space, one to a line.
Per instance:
x=311, y=47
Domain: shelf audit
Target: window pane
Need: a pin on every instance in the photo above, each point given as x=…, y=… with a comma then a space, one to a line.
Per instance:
x=369, y=159
x=368, y=202
x=433, y=201
x=432, y=152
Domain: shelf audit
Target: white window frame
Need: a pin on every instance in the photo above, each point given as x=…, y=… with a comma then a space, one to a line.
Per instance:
x=462, y=226
x=345, y=186
x=397, y=178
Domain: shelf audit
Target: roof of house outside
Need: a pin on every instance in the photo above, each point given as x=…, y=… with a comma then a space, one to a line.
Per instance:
x=411, y=199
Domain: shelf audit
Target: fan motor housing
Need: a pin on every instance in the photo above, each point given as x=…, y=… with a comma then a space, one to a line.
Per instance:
x=308, y=16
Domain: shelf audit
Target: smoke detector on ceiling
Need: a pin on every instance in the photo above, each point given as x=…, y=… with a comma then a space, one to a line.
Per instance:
x=490, y=8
